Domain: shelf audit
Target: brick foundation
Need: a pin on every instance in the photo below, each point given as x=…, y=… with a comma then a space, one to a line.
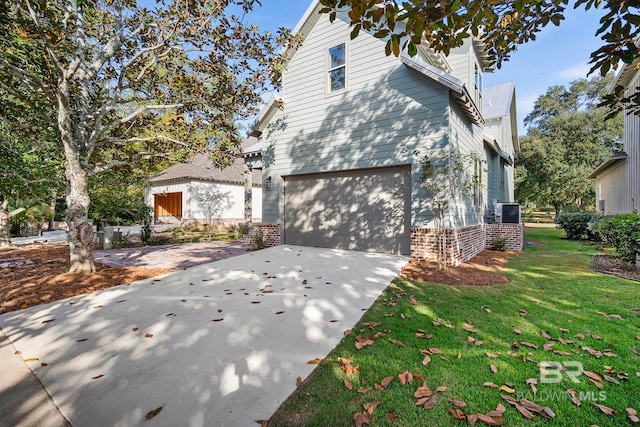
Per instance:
x=464, y=243
x=513, y=233
x=270, y=234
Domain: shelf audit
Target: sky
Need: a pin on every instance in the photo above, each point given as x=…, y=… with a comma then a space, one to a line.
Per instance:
x=558, y=56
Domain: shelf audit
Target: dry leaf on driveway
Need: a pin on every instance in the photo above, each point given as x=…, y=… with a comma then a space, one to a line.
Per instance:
x=153, y=413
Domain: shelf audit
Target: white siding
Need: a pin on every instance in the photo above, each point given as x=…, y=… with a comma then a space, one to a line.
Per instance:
x=632, y=148
x=613, y=187
x=387, y=113
x=195, y=193
x=467, y=138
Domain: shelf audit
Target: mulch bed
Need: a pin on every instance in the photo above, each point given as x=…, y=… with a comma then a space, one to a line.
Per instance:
x=613, y=265
x=45, y=278
x=484, y=269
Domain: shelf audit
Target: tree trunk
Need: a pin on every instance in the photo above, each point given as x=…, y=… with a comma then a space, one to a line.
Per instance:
x=52, y=206
x=80, y=235
x=5, y=225
x=248, y=186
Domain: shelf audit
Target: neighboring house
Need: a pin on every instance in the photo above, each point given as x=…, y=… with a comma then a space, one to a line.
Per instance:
x=200, y=192
x=501, y=140
x=340, y=147
x=618, y=178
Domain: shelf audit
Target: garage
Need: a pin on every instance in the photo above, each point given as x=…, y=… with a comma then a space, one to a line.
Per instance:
x=366, y=210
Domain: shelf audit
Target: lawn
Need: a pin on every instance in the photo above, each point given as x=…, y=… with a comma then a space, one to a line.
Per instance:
x=484, y=343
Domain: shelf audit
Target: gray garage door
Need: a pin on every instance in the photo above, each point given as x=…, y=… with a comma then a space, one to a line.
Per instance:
x=366, y=210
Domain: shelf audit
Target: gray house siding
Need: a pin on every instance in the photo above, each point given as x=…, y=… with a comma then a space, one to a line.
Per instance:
x=387, y=113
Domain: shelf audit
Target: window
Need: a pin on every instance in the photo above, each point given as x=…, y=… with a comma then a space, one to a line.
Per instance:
x=478, y=78
x=477, y=183
x=337, y=68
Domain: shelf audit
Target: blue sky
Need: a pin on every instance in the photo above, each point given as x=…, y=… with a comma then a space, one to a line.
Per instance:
x=558, y=56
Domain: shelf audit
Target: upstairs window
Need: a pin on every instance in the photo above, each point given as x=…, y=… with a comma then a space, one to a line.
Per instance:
x=337, y=68
x=478, y=78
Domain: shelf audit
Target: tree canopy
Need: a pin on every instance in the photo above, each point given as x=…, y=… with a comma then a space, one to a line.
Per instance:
x=503, y=25
x=567, y=138
x=112, y=71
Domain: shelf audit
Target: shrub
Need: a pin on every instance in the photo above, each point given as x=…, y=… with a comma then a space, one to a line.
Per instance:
x=500, y=243
x=258, y=240
x=575, y=224
x=623, y=233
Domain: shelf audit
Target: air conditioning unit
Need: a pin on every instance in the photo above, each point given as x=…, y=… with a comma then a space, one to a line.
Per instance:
x=507, y=213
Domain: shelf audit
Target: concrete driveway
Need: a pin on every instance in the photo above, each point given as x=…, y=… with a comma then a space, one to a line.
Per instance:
x=220, y=344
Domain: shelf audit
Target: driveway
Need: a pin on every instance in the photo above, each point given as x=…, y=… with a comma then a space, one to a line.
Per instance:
x=219, y=344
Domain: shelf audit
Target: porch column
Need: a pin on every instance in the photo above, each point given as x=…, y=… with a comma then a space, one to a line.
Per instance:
x=248, y=184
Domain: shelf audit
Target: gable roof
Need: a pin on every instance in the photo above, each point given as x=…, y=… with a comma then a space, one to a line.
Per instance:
x=625, y=76
x=200, y=167
x=455, y=85
x=618, y=157
x=499, y=100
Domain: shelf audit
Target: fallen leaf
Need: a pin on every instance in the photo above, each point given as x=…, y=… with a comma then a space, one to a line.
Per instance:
x=596, y=337
x=298, y=381
x=153, y=413
x=386, y=381
x=435, y=350
x=370, y=407
x=364, y=390
x=470, y=339
x=523, y=312
x=423, y=391
x=563, y=330
x=469, y=327
x=485, y=308
x=633, y=415
x=48, y=321
x=218, y=320
x=593, y=375
x=391, y=416
x=579, y=336
x=441, y=389
x=487, y=420
x=548, y=346
x=545, y=335
x=605, y=409
x=430, y=403
x=490, y=384
x=97, y=376
x=507, y=389
x=548, y=412
x=263, y=423
x=574, y=397
x=524, y=411
x=406, y=377
x=493, y=369
x=348, y=385
x=517, y=331
x=148, y=335
x=531, y=406
x=528, y=344
x=31, y=359
x=426, y=360
x=82, y=340
x=611, y=379
x=413, y=299
x=279, y=312
x=493, y=355
x=458, y=403
x=472, y=419
x=510, y=400
x=396, y=342
x=457, y=413
x=135, y=329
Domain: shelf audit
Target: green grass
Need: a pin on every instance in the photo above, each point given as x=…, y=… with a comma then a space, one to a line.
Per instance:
x=552, y=282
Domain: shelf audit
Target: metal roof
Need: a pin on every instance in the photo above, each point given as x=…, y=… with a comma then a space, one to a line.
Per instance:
x=607, y=164
x=497, y=100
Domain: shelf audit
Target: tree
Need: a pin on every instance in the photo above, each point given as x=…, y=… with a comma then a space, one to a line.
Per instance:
x=445, y=179
x=111, y=69
x=568, y=137
x=502, y=24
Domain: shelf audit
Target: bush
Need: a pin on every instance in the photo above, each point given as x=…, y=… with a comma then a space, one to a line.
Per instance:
x=575, y=224
x=623, y=233
x=500, y=243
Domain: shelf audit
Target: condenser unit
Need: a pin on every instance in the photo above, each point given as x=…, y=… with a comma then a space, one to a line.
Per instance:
x=507, y=213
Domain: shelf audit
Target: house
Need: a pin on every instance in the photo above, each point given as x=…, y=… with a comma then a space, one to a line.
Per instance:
x=200, y=192
x=342, y=143
x=618, y=178
x=501, y=139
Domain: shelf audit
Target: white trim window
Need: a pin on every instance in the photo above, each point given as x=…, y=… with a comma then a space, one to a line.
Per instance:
x=337, y=68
